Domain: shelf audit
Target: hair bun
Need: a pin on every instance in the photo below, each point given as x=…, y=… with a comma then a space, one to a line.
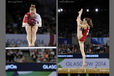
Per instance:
x=32, y=5
x=89, y=18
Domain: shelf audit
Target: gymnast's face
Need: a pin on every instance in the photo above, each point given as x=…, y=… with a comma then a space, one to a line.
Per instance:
x=32, y=13
x=84, y=21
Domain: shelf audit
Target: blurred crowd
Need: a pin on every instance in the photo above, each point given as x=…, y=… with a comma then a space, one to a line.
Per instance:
x=89, y=49
x=37, y=56
x=15, y=56
x=43, y=55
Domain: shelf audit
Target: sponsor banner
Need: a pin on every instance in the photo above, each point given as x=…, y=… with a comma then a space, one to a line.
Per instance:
x=30, y=66
x=75, y=40
x=80, y=56
x=100, y=41
x=65, y=41
x=88, y=40
x=90, y=63
x=20, y=40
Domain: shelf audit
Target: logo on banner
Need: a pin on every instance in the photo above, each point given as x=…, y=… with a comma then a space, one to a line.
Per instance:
x=11, y=66
x=97, y=40
x=49, y=66
x=20, y=39
x=90, y=63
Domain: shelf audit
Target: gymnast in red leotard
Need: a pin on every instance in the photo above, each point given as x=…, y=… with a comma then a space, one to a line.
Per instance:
x=31, y=22
x=83, y=26
x=86, y=31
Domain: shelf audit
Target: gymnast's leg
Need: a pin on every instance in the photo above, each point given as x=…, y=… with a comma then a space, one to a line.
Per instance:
x=34, y=31
x=81, y=44
x=28, y=31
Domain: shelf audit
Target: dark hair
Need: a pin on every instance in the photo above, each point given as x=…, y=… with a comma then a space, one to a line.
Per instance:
x=32, y=7
x=89, y=21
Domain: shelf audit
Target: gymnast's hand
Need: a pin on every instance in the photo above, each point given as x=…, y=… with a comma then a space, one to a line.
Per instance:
x=32, y=21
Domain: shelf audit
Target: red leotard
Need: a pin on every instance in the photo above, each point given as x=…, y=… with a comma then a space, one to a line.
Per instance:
x=25, y=20
x=84, y=34
x=28, y=19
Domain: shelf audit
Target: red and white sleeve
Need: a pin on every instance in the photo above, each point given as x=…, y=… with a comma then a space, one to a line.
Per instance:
x=25, y=20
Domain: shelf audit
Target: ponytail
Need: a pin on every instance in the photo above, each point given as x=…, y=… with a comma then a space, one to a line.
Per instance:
x=89, y=21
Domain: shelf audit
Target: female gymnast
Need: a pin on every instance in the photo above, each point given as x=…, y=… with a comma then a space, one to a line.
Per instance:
x=83, y=26
x=31, y=22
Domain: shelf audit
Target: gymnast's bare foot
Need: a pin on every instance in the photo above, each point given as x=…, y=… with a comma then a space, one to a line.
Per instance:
x=30, y=45
x=83, y=65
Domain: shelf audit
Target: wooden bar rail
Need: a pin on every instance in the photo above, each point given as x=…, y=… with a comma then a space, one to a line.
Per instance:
x=84, y=70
